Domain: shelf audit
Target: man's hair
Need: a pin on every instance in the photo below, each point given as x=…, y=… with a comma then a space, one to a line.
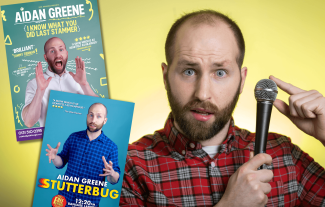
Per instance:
x=47, y=41
x=204, y=17
x=98, y=104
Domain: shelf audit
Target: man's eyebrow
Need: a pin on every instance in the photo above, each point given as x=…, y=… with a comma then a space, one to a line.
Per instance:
x=98, y=113
x=193, y=64
x=59, y=47
x=220, y=64
x=187, y=63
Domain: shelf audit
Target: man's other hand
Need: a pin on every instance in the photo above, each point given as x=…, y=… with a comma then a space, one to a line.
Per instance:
x=108, y=170
x=80, y=76
x=249, y=186
x=42, y=84
x=52, y=152
x=306, y=109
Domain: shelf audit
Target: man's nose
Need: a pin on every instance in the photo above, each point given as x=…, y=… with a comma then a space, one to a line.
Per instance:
x=203, y=87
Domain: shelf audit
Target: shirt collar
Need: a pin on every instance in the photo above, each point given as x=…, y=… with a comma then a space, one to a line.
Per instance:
x=102, y=137
x=182, y=144
x=53, y=75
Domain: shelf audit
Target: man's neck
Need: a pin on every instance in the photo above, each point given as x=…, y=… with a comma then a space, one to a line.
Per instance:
x=93, y=135
x=56, y=73
x=216, y=139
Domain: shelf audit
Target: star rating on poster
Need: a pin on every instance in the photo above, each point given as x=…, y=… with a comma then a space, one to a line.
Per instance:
x=56, y=106
x=82, y=38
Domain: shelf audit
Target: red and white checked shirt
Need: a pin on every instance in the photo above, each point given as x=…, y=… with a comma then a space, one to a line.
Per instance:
x=167, y=169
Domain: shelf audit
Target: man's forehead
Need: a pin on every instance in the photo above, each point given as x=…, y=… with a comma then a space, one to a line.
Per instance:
x=205, y=40
x=97, y=108
x=55, y=42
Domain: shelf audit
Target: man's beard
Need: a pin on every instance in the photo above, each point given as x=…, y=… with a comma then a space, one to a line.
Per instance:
x=51, y=65
x=98, y=127
x=198, y=130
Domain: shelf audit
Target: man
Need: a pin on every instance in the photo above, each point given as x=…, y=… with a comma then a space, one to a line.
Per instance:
x=200, y=158
x=56, y=77
x=87, y=153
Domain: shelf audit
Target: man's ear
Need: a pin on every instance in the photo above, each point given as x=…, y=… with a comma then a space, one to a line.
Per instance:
x=45, y=57
x=105, y=120
x=243, y=72
x=164, y=68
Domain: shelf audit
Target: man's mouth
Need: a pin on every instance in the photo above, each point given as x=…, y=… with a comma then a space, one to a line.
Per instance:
x=92, y=125
x=201, y=111
x=58, y=63
x=201, y=114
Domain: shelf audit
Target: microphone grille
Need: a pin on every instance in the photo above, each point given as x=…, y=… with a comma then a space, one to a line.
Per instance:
x=266, y=90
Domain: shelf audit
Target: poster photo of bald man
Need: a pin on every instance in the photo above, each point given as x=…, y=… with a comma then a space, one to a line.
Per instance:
x=83, y=151
x=53, y=45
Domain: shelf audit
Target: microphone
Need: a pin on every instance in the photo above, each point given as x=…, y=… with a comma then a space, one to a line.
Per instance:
x=266, y=91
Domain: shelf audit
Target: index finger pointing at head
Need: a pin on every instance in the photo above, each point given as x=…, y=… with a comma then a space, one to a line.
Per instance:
x=287, y=87
x=258, y=160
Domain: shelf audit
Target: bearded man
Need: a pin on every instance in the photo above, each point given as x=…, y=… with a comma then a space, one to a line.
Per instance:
x=87, y=153
x=200, y=158
x=56, y=77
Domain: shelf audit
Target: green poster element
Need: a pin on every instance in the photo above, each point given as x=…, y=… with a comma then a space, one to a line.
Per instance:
x=28, y=26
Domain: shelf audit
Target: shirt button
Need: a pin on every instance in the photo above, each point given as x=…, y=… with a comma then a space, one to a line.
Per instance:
x=213, y=164
x=192, y=145
x=183, y=152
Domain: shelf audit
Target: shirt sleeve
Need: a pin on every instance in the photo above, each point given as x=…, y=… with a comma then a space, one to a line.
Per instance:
x=311, y=179
x=30, y=93
x=79, y=89
x=113, y=157
x=132, y=191
x=64, y=154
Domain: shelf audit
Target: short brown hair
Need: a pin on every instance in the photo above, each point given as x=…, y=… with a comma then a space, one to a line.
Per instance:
x=207, y=17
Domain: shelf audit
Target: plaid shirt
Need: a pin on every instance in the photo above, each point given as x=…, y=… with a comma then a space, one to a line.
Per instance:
x=167, y=169
x=84, y=160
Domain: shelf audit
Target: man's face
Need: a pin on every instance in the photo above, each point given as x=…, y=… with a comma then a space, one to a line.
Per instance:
x=96, y=118
x=56, y=55
x=203, y=82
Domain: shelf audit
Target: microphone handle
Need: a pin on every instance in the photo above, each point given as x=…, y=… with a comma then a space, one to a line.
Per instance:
x=263, y=116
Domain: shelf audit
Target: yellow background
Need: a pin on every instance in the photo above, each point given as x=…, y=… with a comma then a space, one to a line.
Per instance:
x=283, y=38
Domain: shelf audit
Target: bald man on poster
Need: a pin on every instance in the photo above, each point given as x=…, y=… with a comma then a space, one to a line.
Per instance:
x=89, y=154
x=200, y=158
x=56, y=77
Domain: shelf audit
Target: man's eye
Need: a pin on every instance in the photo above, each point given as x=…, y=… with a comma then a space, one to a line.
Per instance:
x=52, y=51
x=221, y=73
x=189, y=72
x=98, y=117
x=61, y=50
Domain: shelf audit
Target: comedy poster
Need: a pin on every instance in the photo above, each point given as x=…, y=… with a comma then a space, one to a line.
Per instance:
x=51, y=45
x=83, y=151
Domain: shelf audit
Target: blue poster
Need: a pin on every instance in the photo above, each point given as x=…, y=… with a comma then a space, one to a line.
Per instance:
x=83, y=151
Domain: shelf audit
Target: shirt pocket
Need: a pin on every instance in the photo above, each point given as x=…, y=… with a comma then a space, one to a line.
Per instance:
x=276, y=196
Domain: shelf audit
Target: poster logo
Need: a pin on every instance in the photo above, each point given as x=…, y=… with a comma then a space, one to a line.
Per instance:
x=59, y=201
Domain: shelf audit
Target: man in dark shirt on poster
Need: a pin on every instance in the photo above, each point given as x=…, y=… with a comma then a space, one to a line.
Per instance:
x=87, y=153
x=200, y=158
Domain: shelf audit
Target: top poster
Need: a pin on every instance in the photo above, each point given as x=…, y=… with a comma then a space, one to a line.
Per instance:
x=51, y=45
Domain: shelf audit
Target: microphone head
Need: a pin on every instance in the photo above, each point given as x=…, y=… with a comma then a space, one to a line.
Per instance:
x=266, y=90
